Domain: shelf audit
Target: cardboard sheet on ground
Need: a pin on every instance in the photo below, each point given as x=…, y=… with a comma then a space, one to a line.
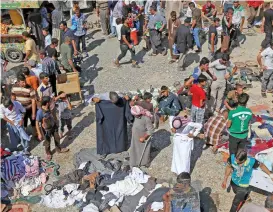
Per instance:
x=262, y=181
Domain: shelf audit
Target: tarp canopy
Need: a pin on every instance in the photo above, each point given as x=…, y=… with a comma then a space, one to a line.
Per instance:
x=12, y=4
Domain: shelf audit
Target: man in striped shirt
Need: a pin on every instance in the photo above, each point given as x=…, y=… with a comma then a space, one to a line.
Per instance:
x=215, y=129
x=27, y=97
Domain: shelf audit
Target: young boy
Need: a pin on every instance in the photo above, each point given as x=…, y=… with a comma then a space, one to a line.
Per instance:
x=46, y=124
x=198, y=100
x=47, y=37
x=65, y=113
x=31, y=80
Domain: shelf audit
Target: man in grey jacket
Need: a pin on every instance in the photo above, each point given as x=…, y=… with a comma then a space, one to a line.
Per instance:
x=156, y=25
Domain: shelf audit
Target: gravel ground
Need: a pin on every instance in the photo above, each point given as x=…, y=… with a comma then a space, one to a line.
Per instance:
x=100, y=75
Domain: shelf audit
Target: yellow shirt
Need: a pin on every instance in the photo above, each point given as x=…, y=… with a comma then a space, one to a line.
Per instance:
x=30, y=45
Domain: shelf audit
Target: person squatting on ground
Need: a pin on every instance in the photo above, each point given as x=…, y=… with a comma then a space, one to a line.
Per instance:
x=231, y=101
x=240, y=167
x=168, y=105
x=253, y=7
x=47, y=125
x=216, y=130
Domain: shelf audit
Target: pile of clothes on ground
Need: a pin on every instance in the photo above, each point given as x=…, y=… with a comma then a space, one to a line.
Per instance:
x=21, y=174
x=97, y=184
x=260, y=136
x=261, y=147
x=105, y=184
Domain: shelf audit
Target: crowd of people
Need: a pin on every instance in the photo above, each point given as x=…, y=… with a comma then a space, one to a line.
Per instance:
x=218, y=113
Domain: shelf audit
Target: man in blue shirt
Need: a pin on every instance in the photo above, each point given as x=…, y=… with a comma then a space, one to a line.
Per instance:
x=240, y=167
x=202, y=68
x=79, y=27
x=66, y=32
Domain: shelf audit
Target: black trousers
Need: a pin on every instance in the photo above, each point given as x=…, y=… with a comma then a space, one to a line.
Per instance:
x=80, y=39
x=268, y=38
x=28, y=115
x=52, y=80
x=124, y=48
x=241, y=194
x=66, y=122
x=236, y=143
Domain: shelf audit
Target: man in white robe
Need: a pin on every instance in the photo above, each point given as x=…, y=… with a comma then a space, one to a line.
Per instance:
x=183, y=144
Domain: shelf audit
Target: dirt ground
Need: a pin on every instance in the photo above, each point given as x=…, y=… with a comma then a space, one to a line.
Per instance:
x=100, y=76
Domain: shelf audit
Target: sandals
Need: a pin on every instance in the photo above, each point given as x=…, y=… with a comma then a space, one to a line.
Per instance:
x=172, y=61
x=63, y=150
x=152, y=54
x=264, y=95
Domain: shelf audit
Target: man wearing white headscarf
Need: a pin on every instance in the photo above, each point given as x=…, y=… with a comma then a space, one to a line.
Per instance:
x=185, y=132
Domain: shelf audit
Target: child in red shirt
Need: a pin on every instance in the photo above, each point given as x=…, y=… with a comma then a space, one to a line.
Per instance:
x=198, y=100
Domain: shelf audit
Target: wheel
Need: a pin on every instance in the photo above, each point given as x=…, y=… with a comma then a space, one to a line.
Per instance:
x=14, y=55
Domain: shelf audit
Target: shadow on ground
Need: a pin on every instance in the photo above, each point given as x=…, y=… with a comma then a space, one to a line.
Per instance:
x=160, y=140
x=196, y=152
x=89, y=69
x=94, y=44
x=208, y=200
x=79, y=128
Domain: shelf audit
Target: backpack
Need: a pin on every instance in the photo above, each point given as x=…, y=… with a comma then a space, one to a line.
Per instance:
x=48, y=121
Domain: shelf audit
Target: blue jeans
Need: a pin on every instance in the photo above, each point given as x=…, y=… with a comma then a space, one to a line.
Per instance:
x=113, y=29
x=17, y=137
x=196, y=37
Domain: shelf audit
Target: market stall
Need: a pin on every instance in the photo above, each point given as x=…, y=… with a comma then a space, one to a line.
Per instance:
x=12, y=25
x=71, y=84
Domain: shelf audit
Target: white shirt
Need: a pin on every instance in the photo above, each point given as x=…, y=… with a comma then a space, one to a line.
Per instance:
x=13, y=114
x=118, y=28
x=238, y=14
x=36, y=71
x=47, y=40
x=189, y=12
x=267, y=54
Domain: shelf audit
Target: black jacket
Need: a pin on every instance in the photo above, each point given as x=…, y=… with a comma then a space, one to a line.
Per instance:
x=183, y=38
